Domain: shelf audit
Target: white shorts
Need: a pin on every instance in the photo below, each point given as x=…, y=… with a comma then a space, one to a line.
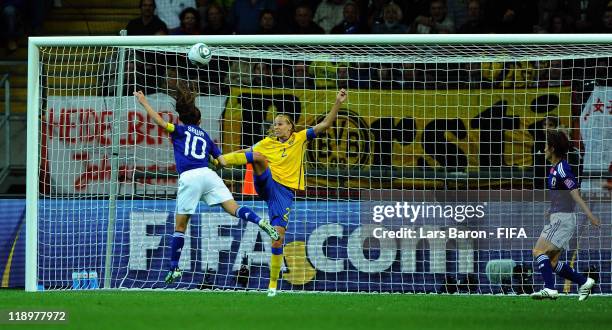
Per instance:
x=560, y=229
x=200, y=183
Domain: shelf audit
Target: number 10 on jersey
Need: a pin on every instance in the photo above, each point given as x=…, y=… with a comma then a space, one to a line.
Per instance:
x=191, y=146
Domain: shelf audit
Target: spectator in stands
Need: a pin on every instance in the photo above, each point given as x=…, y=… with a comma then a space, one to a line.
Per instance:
x=285, y=10
x=545, y=10
x=9, y=10
x=458, y=11
x=437, y=22
x=133, y=74
x=351, y=23
x=245, y=14
x=298, y=77
x=148, y=23
x=558, y=24
x=407, y=76
x=511, y=16
x=342, y=77
x=303, y=23
x=472, y=76
x=216, y=21
x=203, y=10
x=392, y=21
x=190, y=23
x=169, y=83
x=413, y=9
x=239, y=73
x=262, y=75
x=375, y=12
x=329, y=13
x=359, y=74
x=383, y=77
x=475, y=22
x=267, y=23
x=586, y=13
x=606, y=21
x=552, y=74
x=169, y=11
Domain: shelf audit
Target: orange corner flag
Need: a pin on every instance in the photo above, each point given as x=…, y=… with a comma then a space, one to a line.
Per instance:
x=248, y=185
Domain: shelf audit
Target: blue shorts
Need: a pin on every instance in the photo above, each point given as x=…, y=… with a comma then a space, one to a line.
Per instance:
x=278, y=197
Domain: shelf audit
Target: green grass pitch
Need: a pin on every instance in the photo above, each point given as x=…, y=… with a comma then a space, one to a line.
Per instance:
x=132, y=310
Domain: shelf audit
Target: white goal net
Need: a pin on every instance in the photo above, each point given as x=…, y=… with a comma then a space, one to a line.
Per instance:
x=431, y=179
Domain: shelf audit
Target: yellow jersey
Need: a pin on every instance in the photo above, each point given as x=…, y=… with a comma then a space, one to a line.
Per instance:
x=286, y=159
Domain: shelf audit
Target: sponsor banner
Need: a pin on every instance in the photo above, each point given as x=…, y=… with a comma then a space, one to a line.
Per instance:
x=80, y=133
x=455, y=130
x=596, y=130
x=330, y=246
x=12, y=243
x=451, y=129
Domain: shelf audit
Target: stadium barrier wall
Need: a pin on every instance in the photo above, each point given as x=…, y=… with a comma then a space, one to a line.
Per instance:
x=327, y=248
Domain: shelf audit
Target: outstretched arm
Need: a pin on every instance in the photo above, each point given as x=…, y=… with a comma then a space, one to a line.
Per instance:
x=241, y=151
x=331, y=116
x=578, y=199
x=152, y=113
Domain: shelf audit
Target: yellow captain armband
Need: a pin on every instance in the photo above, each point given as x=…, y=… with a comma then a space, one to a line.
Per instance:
x=170, y=127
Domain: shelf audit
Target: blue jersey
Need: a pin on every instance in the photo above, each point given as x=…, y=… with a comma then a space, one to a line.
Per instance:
x=192, y=146
x=561, y=181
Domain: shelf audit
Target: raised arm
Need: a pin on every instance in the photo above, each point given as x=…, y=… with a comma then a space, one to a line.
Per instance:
x=578, y=199
x=333, y=113
x=152, y=113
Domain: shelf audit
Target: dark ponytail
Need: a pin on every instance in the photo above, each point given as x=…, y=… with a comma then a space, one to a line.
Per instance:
x=189, y=114
x=558, y=141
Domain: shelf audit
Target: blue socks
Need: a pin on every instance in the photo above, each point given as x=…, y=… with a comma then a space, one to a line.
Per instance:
x=247, y=214
x=546, y=269
x=249, y=157
x=567, y=272
x=562, y=269
x=277, y=251
x=178, y=239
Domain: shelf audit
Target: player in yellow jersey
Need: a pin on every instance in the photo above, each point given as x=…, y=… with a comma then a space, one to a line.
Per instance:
x=278, y=163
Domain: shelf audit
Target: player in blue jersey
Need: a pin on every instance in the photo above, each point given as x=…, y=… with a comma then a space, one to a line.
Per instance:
x=278, y=163
x=555, y=236
x=192, y=149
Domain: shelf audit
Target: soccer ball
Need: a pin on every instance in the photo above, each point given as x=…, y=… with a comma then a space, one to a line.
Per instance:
x=199, y=54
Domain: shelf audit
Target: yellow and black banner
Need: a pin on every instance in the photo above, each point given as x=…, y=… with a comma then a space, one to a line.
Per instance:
x=438, y=129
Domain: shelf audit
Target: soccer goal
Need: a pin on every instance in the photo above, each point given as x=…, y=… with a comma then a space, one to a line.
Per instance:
x=431, y=180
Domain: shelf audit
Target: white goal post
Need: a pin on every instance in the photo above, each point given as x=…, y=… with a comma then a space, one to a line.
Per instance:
x=432, y=121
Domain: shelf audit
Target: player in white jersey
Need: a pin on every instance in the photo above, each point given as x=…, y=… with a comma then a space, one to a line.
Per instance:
x=192, y=149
